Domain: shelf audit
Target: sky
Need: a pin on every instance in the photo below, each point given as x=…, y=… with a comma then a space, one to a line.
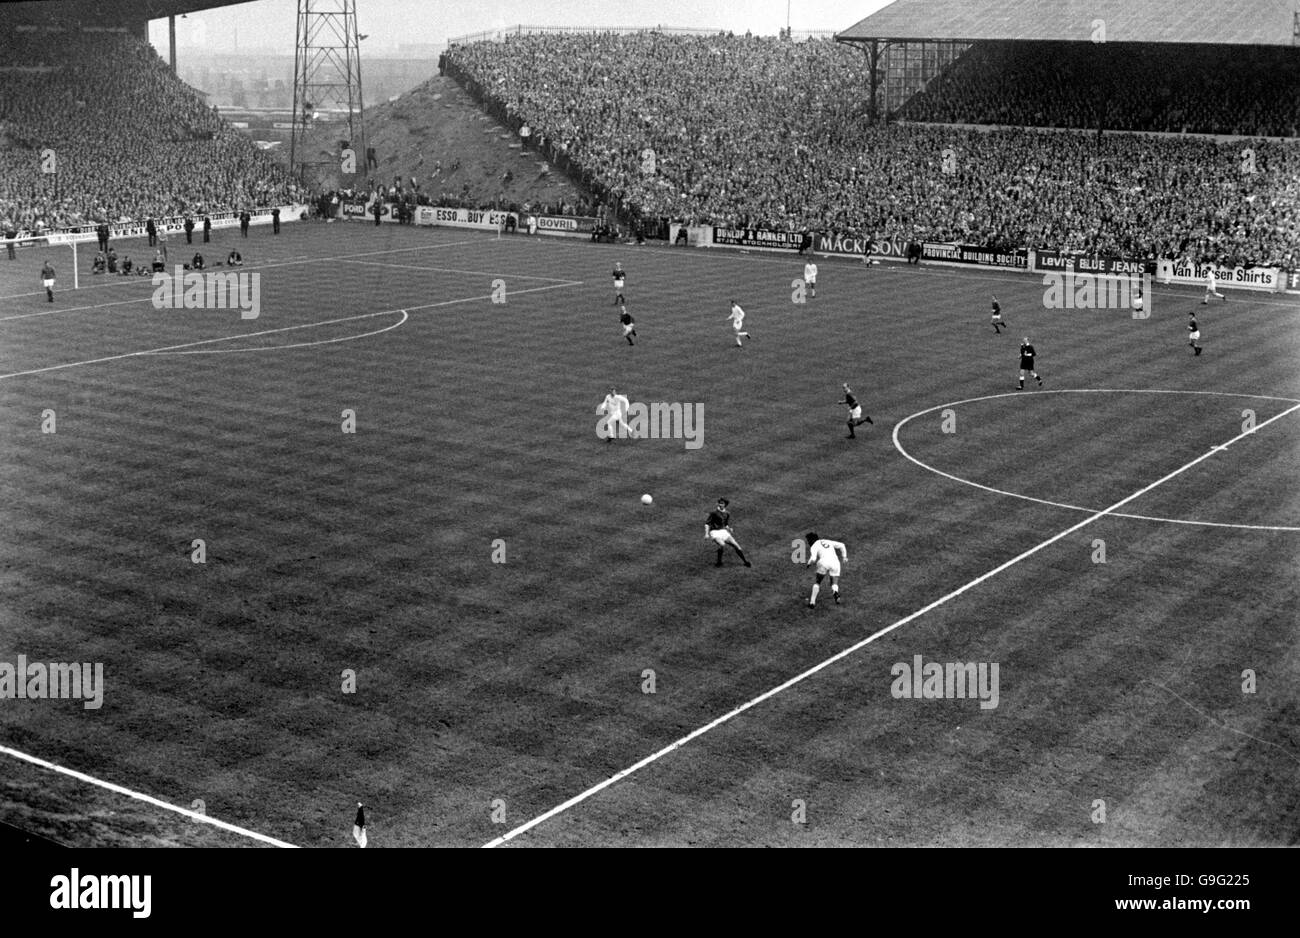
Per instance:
x=268, y=25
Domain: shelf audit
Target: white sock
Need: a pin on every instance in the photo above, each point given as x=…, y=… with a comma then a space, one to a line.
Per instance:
x=816, y=588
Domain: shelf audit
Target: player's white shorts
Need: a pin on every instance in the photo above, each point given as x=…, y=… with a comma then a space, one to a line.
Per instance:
x=856, y=413
x=738, y=325
x=828, y=569
x=1194, y=336
x=996, y=317
x=811, y=281
x=47, y=284
x=627, y=330
x=721, y=537
x=618, y=285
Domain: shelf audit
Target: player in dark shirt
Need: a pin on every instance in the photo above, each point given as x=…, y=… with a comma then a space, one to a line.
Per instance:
x=619, y=277
x=1193, y=334
x=629, y=326
x=856, y=419
x=997, y=317
x=1027, y=363
x=47, y=280
x=717, y=528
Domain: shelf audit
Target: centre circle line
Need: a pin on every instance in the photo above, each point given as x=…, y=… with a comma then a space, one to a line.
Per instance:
x=1054, y=504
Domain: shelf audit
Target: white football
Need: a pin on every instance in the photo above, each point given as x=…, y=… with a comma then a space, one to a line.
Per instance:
x=646, y=499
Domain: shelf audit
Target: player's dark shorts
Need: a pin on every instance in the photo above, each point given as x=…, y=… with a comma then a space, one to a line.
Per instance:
x=1026, y=364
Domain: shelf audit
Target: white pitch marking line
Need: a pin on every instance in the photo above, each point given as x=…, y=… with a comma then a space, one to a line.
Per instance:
x=1119, y=514
x=76, y=309
x=251, y=335
x=454, y=270
x=287, y=262
x=140, y=796
x=277, y=348
x=576, y=799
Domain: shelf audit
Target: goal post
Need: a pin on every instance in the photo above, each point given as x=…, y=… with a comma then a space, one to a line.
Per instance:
x=25, y=248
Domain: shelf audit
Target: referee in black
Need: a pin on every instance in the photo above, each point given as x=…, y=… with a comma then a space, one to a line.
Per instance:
x=1027, y=363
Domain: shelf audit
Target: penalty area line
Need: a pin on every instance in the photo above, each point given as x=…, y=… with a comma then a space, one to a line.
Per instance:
x=672, y=747
x=140, y=796
x=176, y=349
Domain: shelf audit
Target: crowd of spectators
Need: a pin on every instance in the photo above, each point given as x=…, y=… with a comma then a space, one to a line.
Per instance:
x=762, y=132
x=403, y=198
x=130, y=139
x=1245, y=91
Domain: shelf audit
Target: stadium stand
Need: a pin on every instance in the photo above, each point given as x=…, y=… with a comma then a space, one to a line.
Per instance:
x=1183, y=89
x=759, y=132
x=131, y=139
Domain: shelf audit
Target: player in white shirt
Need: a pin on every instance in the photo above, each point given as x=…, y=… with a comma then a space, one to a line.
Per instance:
x=615, y=408
x=827, y=555
x=1211, y=288
x=810, y=277
x=737, y=319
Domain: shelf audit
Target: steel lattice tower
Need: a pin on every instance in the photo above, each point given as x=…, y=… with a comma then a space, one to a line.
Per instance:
x=327, y=105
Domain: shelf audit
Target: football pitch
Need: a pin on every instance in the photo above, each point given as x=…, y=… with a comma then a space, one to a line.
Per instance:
x=428, y=584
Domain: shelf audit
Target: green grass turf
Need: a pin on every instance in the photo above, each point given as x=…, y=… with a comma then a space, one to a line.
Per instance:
x=522, y=681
